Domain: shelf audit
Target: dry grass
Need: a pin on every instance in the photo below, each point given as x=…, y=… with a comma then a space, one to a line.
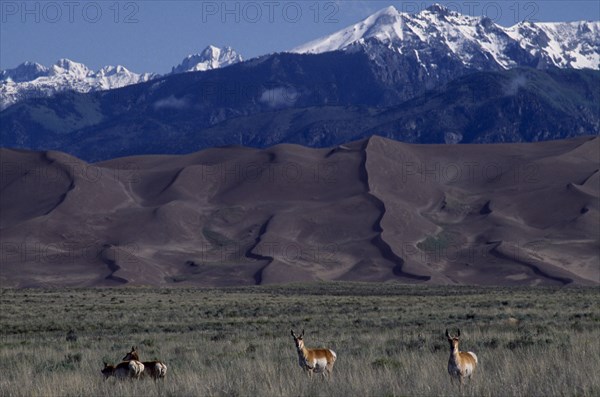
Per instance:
x=236, y=342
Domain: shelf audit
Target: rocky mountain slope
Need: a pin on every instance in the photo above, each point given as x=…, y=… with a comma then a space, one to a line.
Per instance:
x=189, y=112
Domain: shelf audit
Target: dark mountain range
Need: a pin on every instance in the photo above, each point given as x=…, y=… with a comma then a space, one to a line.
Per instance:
x=430, y=77
x=433, y=45
x=314, y=100
x=520, y=105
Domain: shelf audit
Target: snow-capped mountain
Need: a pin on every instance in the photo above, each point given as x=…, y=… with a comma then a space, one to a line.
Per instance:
x=26, y=71
x=477, y=42
x=211, y=58
x=32, y=80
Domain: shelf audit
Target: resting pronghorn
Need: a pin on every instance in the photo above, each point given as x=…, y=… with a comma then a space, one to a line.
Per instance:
x=155, y=369
x=460, y=364
x=131, y=369
x=314, y=360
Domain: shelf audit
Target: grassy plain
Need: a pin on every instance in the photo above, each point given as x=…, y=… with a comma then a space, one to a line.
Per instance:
x=389, y=339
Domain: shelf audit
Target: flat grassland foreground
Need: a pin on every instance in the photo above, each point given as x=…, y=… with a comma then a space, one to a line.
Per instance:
x=389, y=339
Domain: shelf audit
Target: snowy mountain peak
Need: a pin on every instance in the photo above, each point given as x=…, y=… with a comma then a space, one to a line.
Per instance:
x=385, y=25
x=437, y=8
x=212, y=52
x=66, y=63
x=113, y=70
x=476, y=42
x=66, y=66
x=210, y=58
x=390, y=11
x=32, y=80
x=26, y=71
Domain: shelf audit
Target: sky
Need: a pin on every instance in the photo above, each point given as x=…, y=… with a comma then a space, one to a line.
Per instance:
x=153, y=36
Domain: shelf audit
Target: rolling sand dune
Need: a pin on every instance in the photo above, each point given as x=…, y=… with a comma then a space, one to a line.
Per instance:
x=371, y=210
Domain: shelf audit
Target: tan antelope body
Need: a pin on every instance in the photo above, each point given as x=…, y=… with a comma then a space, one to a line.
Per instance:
x=155, y=369
x=131, y=369
x=461, y=365
x=314, y=360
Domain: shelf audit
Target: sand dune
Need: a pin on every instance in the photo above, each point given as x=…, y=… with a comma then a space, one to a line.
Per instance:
x=371, y=210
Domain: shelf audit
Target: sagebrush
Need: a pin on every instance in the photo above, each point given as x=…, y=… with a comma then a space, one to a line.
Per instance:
x=389, y=339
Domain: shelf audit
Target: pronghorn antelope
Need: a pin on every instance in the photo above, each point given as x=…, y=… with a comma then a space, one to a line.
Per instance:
x=132, y=369
x=314, y=360
x=156, y=369
x=460, y=364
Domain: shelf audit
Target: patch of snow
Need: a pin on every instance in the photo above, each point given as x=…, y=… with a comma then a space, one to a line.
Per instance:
x=469, y=39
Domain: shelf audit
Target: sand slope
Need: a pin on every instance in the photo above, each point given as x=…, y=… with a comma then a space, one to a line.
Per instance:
x=372, y=210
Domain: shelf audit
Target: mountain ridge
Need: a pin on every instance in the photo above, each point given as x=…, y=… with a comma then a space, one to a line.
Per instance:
x=429, y=95
x=434, y=42
x=474, y=41
x=184, y=113
x=210, y=58
x=33, y=80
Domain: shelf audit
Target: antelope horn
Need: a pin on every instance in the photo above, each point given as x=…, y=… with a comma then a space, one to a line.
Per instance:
x=447, y=334
x=457, y=332
x=302, y=334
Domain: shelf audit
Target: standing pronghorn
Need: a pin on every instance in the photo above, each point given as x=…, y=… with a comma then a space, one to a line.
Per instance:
x=460, y=364
x=131, y=369
x=314, y=360
x=156, y=369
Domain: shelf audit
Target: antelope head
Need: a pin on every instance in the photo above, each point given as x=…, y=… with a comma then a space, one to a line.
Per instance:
x=453, y=340
x=132, y=355
x=298, y=340
x=108, y=370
